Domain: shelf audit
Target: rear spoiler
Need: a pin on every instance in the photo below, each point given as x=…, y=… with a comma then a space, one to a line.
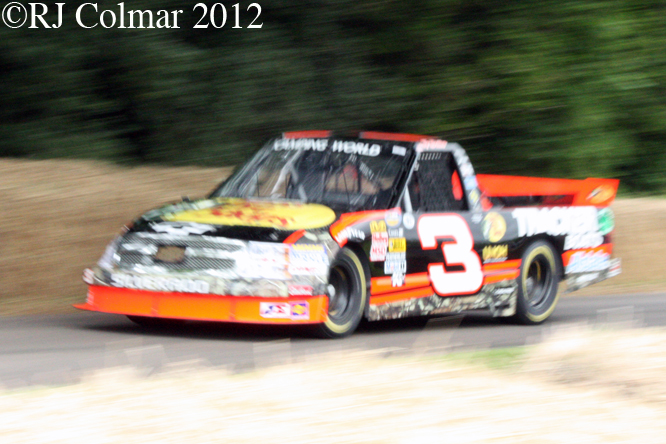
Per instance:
x=591, y=191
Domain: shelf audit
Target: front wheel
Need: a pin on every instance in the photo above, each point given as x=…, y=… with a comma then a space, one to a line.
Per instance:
x=538, y=284
x=347, y=296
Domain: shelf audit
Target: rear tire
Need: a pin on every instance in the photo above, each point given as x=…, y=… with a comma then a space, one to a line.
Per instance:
x=348, y=296
x=538, y=284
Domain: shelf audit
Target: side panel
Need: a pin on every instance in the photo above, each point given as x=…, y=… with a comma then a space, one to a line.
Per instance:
x=403, y=258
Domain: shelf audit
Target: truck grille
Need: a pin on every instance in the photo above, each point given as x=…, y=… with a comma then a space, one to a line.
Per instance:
x=201, y=253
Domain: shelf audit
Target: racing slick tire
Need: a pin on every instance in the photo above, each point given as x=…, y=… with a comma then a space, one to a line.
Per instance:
x=156, y=323
x=347, y=296
x=538, y=284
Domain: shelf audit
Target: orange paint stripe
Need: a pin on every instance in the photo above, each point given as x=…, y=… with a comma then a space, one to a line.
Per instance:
x=354, y=218
x=293, y=237
x=381, y=285
x=401, y=295
x=501, y=265
x=501, y=276
x=314, y=134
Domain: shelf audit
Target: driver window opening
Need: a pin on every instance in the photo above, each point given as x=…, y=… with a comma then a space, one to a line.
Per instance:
x=435, y=184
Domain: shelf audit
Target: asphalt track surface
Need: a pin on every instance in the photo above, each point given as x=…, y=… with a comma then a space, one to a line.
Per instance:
x=61, y=349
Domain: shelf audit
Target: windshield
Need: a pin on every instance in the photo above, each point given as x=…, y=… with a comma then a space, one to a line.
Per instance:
x=344, y=174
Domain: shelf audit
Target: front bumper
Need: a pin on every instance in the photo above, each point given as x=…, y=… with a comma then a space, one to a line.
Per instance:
x=207, y=307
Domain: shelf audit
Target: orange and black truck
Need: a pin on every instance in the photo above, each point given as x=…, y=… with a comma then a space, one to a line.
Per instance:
x=325, y=230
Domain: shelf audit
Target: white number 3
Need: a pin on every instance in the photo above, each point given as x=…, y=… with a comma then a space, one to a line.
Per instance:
x=458, y=249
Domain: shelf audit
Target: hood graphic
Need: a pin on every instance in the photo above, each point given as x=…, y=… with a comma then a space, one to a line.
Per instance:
x=241, y=212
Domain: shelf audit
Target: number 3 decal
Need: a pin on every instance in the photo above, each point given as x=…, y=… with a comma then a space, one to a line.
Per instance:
x=458, y=249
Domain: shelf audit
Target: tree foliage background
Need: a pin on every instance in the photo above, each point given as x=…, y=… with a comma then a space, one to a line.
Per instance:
x=557, y=88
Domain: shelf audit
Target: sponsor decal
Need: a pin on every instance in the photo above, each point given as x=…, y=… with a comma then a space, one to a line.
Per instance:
x=495, y=253
x=350, y=234
x=379, y=246
x=396, y=232
x=300, y=290
x=600, y=194
x=408, y=221
x=588, y=261
x=431, y=144
x=395, y=263
x=300, y=144
x=397, y=245
x=397, y=279
x=474, y=196
x=494, y=227
x=393, y=218
x=399, y=150
x=377, y=226
x=308, y=254
x=182, y=229
x=464, y=164
x=605, y=220
x=587, y=240
x=274, y=310
x=267, y=260
x=268, y=252
x=471, y=183
x=159, y=283
x=556, y=221
x=300, y=311
x=170, y=254
x=309, y=259
x=239, y=212
x=352, y=147
x=338, y=146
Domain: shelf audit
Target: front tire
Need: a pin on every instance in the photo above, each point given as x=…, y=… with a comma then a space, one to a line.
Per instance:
x=347, y=298
x=538, y=284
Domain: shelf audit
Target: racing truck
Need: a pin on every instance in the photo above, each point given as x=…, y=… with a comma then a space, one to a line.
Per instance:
x=325, y=229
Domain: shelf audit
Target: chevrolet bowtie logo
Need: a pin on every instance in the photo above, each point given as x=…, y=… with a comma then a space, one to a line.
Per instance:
x=170, y=254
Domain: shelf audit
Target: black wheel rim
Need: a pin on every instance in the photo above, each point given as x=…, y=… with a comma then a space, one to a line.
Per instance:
x=538, y=281
x=340, y=285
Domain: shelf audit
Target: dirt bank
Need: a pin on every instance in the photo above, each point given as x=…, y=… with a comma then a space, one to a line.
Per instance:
x=58, y=216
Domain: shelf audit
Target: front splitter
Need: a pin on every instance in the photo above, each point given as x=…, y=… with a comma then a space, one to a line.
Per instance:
x=207, y=307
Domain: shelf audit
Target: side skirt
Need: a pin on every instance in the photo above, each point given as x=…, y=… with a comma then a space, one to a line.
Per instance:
x=499, y=298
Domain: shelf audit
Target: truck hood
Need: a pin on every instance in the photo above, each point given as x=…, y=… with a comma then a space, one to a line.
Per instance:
x=230, y=212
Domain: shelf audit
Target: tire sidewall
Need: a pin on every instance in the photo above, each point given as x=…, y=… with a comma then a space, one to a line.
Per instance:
x=525, y=312
x=333, y=328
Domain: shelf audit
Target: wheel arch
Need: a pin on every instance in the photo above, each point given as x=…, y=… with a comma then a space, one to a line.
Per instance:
x=557, y=242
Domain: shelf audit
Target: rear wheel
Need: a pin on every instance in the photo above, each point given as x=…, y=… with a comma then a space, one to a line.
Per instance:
x=347, y=296
x=538, y=284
